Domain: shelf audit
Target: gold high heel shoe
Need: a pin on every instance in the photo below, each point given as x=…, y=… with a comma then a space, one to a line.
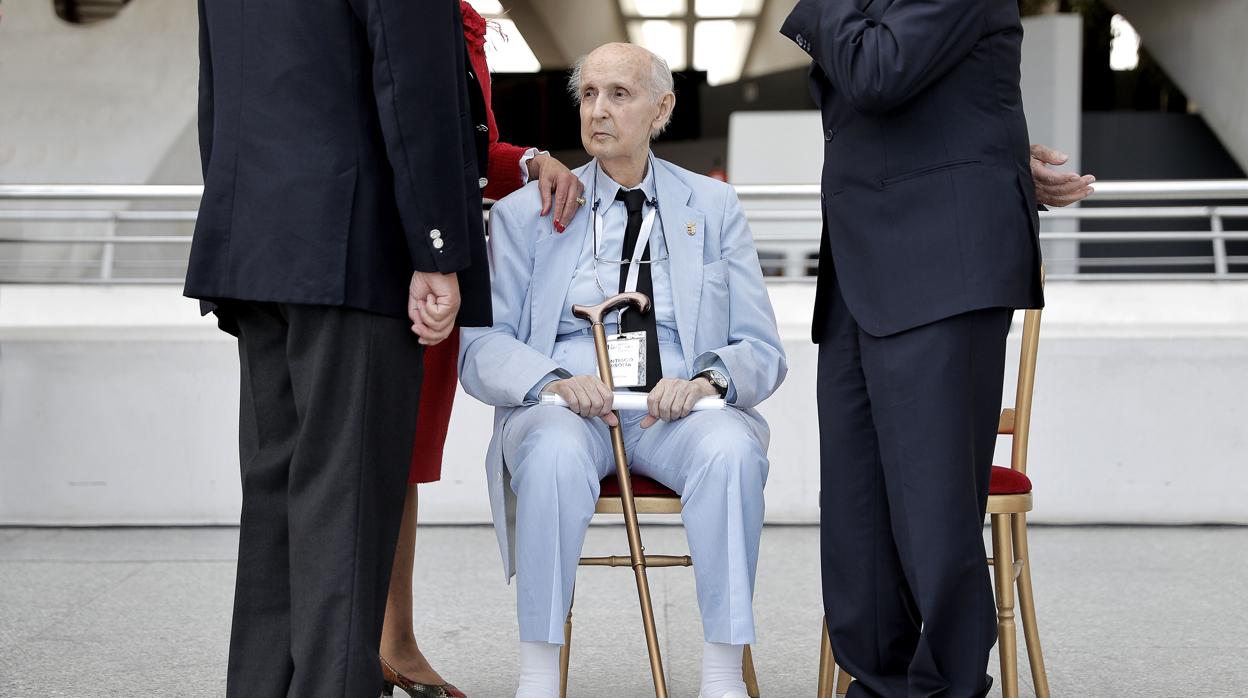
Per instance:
x=416, y=690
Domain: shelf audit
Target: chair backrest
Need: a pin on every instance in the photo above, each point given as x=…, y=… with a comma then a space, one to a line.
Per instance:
x=1016, y=421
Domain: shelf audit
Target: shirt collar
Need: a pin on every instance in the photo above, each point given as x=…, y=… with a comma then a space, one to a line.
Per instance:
x=607, y=187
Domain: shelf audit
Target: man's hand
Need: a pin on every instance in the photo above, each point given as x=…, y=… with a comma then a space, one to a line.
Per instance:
x=587, y=396
x=1055, y=188
x=673, y=398
x=432, y=304
x=559, y=187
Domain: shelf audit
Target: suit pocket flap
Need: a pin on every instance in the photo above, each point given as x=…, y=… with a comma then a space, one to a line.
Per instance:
x=715, y=271
x=928, y=170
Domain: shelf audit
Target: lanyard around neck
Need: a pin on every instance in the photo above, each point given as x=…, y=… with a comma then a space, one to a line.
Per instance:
x=639, y=249
x=643, y=237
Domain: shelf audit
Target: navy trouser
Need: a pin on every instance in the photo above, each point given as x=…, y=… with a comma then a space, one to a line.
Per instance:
x=907, y=426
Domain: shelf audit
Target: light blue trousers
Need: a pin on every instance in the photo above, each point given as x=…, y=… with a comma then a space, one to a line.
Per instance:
x=715, y=459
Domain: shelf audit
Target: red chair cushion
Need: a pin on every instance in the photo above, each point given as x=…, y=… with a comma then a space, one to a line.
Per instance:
x=1008, y=481
x=642, y=487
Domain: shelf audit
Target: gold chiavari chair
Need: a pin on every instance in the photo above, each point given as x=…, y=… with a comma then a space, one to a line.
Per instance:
x=650, y=498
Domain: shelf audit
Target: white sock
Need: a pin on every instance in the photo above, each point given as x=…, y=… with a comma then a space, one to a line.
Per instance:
x=539, y=670
x=721, y=670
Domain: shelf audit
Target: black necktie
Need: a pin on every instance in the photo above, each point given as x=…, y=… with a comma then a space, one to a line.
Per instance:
x=635, y=203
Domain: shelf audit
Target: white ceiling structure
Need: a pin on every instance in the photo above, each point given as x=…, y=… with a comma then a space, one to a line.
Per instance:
x=1199, y=42
x=725, y=38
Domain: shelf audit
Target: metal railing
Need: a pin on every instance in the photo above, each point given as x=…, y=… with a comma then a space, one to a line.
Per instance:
x=83, y=227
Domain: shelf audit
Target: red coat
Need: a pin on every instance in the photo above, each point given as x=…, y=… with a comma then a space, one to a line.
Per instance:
x=437, y=393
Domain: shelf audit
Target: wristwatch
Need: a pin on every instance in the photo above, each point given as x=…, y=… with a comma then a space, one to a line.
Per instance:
x=717, y=379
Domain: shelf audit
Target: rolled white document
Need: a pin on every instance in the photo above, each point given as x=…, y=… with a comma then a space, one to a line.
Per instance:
x=636, y=402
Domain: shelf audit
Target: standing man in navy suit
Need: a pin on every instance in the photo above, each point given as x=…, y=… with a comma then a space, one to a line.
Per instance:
x=930, y=243
x=340, y=230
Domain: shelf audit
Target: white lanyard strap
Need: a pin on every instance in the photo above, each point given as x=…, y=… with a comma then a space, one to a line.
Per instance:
x=643, y=237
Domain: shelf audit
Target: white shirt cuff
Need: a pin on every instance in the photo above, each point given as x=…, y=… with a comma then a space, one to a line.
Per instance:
x=524, y=163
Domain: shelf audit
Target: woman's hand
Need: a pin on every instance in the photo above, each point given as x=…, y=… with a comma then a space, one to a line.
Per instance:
x=559, y=187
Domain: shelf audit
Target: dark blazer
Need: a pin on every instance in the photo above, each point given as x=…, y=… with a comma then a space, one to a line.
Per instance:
x=929, y=206
x=338, y=155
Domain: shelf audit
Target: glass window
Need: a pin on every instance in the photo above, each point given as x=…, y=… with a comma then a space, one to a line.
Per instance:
x=506, y=51
x=719, y=48
x=664, y=37
x=1124, y=48
x=653, y=8
x=486, y=8
x=727, y=8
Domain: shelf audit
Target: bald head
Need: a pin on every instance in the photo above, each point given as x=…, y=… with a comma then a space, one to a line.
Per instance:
x=625, y=97
x=641, y=65
x=649, y=67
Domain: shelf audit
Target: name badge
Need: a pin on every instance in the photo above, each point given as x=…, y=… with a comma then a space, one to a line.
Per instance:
x=627, y=353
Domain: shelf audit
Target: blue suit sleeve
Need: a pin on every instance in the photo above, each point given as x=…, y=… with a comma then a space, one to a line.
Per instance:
x=730, y=396
x=535, y=393
x=880, y=62
x=754, y=360
x=495, y=366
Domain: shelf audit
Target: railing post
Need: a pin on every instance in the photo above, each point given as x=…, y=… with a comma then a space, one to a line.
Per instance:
x=795, y=262
x=1220, y=266
x=110, y=250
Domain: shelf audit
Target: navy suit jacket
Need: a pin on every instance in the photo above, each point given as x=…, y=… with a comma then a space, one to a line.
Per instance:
x=928, y=201
x=338, y=156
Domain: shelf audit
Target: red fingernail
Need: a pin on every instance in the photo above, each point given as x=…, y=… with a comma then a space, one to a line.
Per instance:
x=559, y=226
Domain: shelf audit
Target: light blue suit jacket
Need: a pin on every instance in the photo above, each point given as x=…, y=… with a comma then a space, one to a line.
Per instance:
x=722, y=309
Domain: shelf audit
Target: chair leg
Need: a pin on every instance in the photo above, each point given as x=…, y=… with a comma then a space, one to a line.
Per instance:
x=843, y=680
x=565, y=652
x=747, y=672
x=827, y=667
x=1027, y=606
x=1003, y=573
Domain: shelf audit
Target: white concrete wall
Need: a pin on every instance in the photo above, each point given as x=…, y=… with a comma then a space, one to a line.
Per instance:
x=1052, y=82
x=102, y=103
x=775, y=147
x=118, y=406
x=95, y=103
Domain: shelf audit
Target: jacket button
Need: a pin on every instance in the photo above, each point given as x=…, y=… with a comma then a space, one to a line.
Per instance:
x=438, y=244
x=435, y=234
x=828, y=135
x=482, y=182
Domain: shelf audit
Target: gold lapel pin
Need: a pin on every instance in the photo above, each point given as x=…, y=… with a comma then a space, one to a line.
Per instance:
x=691, y=228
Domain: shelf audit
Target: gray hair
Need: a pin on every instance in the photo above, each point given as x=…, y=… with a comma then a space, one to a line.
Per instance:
x=658, y=83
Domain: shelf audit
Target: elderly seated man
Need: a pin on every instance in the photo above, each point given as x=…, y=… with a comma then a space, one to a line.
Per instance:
x=711, y=332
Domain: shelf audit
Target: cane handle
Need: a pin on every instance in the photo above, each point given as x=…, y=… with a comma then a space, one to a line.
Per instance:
x=595, y=313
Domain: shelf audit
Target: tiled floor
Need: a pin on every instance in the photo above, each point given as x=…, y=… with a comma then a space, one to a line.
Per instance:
x=145, y=612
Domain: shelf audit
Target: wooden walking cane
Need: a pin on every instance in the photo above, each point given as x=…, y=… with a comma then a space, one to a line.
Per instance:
x=595, y=314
